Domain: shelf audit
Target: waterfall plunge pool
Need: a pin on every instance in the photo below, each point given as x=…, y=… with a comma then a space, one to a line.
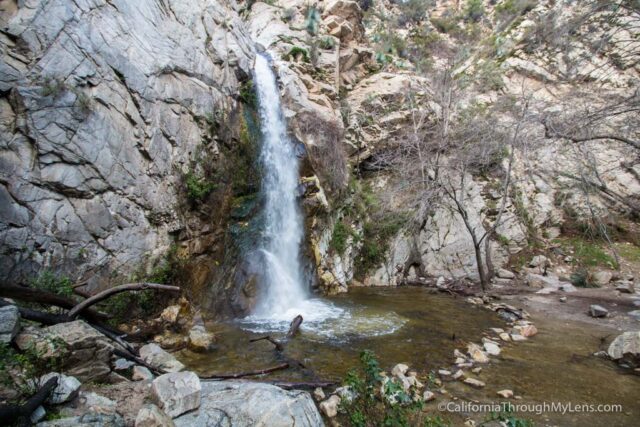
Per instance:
x=555, y=365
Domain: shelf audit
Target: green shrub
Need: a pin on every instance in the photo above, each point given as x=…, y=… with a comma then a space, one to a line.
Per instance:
x=248, y=94
x=446, y=23
x=590, y=254
x=327, y=43
x=48, y=281
x=506, y=418
x=198, y=187
x=474, y=10
x=377, y=233
x=582, y=278
x=510, y=9
x=378, y=401
x=53, y=86
x=297, y=53
x=341, y=233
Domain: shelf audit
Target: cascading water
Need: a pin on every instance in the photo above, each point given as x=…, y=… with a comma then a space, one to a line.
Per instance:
x=285, y=294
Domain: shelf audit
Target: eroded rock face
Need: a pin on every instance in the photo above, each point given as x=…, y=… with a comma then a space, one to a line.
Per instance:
x=240, y=403
x=106, y=107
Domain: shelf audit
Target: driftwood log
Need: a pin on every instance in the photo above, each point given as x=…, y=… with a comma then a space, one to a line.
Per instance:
x=9, y=414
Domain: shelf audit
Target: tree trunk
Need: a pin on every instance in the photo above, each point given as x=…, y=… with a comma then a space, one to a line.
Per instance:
x=481, y=271
x=11, y=413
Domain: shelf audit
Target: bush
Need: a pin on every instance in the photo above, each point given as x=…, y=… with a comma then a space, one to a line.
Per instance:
x=198, y=187
x=413, y=11
x=48, y=281
x=474, y=11
x=582, y=278
x=378, y=231
x=296, y=53
x=341, y=233
x=327, y=43
x=510, y=9
x=248, y=94
x=53, y=86
x=377, y=401
x=447, y=23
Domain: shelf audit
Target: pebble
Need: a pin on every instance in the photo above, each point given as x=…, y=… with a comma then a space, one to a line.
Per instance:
x=474, y=383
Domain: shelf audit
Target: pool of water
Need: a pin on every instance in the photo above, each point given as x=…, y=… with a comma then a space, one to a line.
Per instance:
x=419, y=328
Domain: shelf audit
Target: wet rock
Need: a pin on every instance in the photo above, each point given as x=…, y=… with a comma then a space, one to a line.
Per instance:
x=474, y=382
x=160, y=359
x=506, y=394
x=517, y=338
x=66, y=389
x=86, y=420
x=141, y=373
x=200, y=340
x=458, y=374
x=240, y=403
x=444, y=373
x=601, y=278
x=598, y=311
x=176, y=392
x=330, y=406
x=526, y=330
x=477, y=354
x=505, y=274
x=625, y=349
x=9, y=323
x=505, y=336
x=428, y=396
x=152, y=416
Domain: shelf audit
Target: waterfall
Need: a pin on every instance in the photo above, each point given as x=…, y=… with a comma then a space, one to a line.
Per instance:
x=284, y=233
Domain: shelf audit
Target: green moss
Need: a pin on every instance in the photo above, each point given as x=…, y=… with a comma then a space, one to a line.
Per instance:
x=341, y=233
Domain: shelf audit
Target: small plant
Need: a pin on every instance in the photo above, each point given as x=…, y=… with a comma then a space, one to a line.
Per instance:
x=83, y=101
x=297, y=53
x=341, y=233
x=48, y=281
x=506, y=418
x=474, y=11
x=248, y=94
x=377, y=400
x=197, y=187
x=53, y=86
x=582, y=278
x=327, y=43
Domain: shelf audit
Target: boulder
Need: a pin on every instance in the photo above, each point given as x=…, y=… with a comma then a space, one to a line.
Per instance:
x=122, y=364
x=318, y=394
x=87, y=353
x=66, y=389
x=160, y=359
x=200, y=340
x=177, y=392
x=141, y=373
x=539, y=261
x=505, y=274
x=399, y=370
x=601, y=278
x=330, y=406
x=87, y=420
x=506, y=394
x=625, y=349
x=598, y=311
x=93, y=402
x=625, y=287
x=240, y=403
x=170, y=314
x=152, y=416
x=526, y=330
x=9, y=323
x=477, y=354
x=492, y=348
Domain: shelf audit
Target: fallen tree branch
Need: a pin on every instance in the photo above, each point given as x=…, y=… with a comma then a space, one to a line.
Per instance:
x=11, y=413
x=117, y=289
x=246, y=374
x=303, y=385
x=133, y=358
x=26, y=293
x=295, y=326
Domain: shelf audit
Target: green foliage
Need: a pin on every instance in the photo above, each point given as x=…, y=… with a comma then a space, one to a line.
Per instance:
x=629, y=251
x=436, y=421
x=507, y=10
x=341, y=233
x=378, y=231
x=582, y=278
x=53, y=86
x=413, y=11
x=198, y=187
x=588, y=253
x=327, y=43
x=297, y=53
x=489, y=76
x=20, y=370
x=48, y=281
x=447, y=23
x=507, y=419
x=474, y=10
x=377, y=401
x=248, y=94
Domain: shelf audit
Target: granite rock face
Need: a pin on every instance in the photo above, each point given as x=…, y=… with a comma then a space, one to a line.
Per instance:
x=103, y=105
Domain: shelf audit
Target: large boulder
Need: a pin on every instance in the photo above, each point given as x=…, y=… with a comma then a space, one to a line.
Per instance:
x=160, y=359
x=200, y=340
x=238, y=403
x=87, y=353
x=9, y=323
x=625, y=349
x=66, y=389
x=176, y=392
x=152, y=416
